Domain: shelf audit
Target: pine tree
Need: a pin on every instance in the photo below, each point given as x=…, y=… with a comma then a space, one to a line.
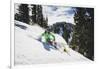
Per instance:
x=83, y=37
x=33, y=13
x=37, y=16
x=23, y=14
x=45, y=22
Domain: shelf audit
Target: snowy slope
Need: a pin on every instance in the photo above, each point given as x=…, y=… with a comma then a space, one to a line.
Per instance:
x=29, y=50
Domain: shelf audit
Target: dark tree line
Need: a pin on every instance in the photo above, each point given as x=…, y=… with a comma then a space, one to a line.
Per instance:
x=83, y=37
x=36, y=16
x=23, y=14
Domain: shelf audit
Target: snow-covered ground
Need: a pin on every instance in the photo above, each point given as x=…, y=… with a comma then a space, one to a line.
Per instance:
x=29, y=50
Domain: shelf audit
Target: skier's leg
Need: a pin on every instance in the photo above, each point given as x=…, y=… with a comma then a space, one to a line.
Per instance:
x=54, y=44
x=46, y=46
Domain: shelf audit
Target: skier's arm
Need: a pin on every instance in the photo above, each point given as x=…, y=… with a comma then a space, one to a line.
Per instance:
x=53, y=36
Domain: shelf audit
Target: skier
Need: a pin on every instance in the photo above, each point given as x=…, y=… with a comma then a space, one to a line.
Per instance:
x=48, y=37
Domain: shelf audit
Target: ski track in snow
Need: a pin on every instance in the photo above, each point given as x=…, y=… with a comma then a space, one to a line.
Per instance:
x=29, y=50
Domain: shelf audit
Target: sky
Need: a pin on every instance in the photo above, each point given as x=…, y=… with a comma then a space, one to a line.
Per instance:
x=58, y=14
